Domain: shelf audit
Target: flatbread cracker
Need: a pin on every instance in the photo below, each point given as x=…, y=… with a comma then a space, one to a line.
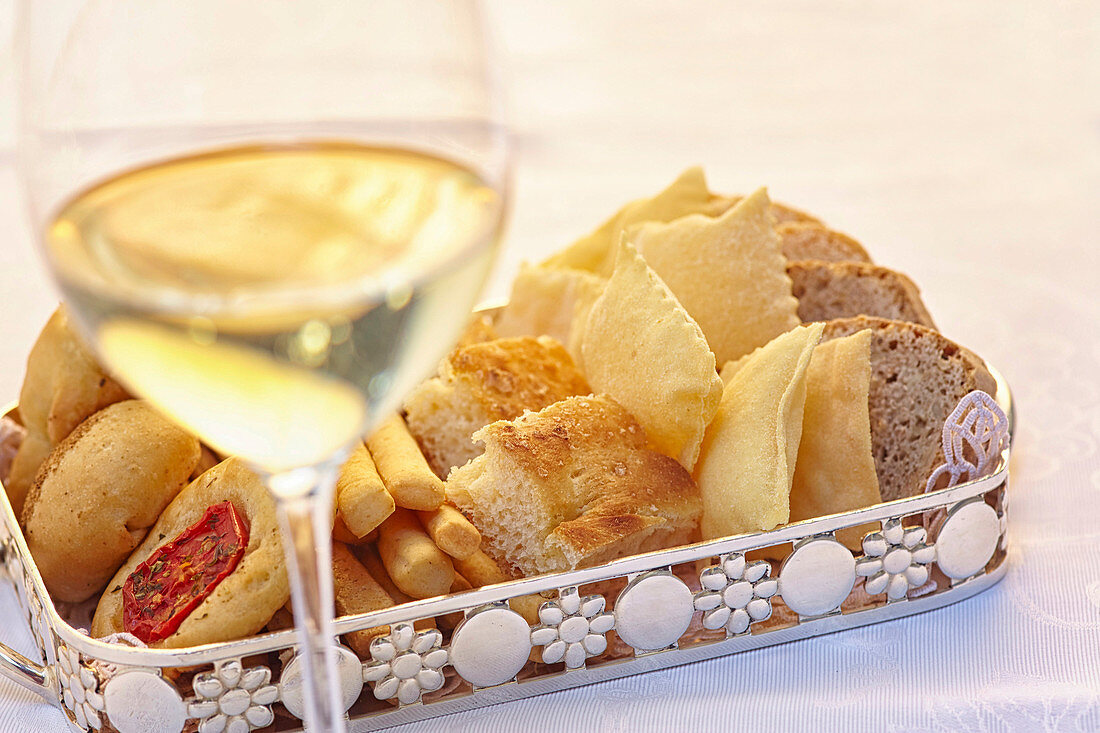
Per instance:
x=549, y=301
x=688, y=194
x=782, y=213
x=643, y=349
x=729, y=273
x=748, y=456
x=835, y=471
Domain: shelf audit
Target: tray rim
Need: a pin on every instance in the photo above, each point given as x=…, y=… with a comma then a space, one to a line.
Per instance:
x=264, y=643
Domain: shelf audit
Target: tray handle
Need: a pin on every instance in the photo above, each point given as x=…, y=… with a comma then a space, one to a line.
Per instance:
x=31, y=675
x=35, y=677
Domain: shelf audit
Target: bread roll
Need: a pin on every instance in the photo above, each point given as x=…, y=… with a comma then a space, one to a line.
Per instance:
x=99, y=492
x=62, y=387
x=242, y=603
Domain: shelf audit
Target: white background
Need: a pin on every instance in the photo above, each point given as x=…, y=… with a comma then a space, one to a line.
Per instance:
x=960, y=142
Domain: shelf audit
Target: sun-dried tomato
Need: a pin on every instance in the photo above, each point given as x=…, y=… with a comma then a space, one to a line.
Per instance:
x=164, y=589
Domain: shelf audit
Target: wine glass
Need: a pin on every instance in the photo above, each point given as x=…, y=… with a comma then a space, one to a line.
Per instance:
x=270, y=220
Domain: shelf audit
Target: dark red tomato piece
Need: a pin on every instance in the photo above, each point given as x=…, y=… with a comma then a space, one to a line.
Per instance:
x=164, y=589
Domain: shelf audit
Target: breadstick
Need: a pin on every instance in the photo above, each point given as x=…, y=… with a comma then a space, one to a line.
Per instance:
x=480, y=569
x=361, y=496
x=341, y=533
x=417, y=566
x=402, y=467
x=356, y=591
x=451, y=531
x=368, y=555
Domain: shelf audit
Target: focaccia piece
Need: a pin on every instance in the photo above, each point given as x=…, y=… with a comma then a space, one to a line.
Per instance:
x=571, y=486
x=482, y=383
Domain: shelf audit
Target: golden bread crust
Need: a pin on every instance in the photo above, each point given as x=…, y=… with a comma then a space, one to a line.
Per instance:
x=509, y=376
x=482, y=383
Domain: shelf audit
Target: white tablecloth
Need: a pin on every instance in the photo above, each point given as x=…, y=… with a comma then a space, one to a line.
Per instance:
x=960, y=142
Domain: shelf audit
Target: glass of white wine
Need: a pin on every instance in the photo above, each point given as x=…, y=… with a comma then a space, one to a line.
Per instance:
x=270, y=220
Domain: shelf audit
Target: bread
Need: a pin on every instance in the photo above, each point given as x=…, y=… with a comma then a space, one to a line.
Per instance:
x=917, y=379
x=356, y=591
x=242, y=603
x=835, y=471
x=748, y=456
x=573, y=485
x=643, y=350
x=481, y=383
x=550, y=301
x=809, y=240
x=479, y=328
x=828, y=290
x=63, y=386
x=727, y=273
x=596, y=252
x=781, y=213
x=99, y=492
x=11, y=439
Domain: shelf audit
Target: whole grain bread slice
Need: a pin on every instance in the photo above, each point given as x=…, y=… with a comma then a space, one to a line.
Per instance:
x=812, y=240
x=828, y=290
x=917, y=379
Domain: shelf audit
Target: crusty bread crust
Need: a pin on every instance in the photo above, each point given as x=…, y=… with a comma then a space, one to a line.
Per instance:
x=828, y=290
x=571, y=486
x=484, y=382
x=917, y=379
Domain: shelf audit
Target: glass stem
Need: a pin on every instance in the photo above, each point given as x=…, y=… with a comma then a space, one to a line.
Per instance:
x=304, y=498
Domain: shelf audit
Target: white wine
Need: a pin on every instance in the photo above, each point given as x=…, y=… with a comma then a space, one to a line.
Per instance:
x=275, y=299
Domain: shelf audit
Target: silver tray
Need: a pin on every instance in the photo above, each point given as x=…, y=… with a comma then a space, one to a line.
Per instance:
x=625, y=617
